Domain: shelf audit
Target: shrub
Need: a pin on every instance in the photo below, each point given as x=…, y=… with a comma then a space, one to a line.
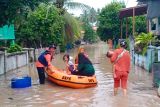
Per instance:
x=14, y=48
x=142, y=42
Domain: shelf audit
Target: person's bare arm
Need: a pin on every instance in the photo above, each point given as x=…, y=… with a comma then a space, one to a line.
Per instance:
x=48, y=59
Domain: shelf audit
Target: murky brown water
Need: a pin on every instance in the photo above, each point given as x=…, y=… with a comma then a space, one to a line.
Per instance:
x=140, y=91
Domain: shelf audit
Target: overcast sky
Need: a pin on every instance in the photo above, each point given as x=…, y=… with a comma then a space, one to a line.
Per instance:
x=101, y=3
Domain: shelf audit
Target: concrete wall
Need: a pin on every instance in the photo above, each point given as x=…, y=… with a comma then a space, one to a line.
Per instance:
x=2, y=63
x=141, y=61
x=147, y=60
x=16, y=60
x=31, y=54
x=11, y=61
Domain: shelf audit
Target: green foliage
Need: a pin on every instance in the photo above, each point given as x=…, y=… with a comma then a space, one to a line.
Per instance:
x=87, y=19
x=142, y=41
x=128, y=47
x=69, y=4
x=42, y=27
x=140, y=24
x=72, y=28
x=14, y=48
x=62, y=48
x=11, y=9
x=89, y=35
x=109, y=23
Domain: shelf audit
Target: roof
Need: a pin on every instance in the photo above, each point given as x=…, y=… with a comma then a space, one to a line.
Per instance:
x=128, y=12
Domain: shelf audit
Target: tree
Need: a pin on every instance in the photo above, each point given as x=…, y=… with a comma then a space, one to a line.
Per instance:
x=39, y=30
x=72, y=28
x=89, y=35
x=10, y=9
x=140, y=24
x=69, y=30
x=69, y=4
x=89, y=16
x=109, y=23
x=87, y=19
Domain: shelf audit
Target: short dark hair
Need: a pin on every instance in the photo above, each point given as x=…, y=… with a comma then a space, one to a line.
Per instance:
x=123, y=43
x=66, y=55
x=52, y=46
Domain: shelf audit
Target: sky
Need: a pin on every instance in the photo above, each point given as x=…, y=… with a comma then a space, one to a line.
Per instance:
x=100, y=4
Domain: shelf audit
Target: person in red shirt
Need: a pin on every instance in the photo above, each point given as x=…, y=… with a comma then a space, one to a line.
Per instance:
x=121, y=66
x=44, y=60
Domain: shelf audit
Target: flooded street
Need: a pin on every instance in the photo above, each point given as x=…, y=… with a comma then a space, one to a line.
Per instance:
x=140, y=90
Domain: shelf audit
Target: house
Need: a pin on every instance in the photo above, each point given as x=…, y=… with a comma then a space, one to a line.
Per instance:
x=153, y=15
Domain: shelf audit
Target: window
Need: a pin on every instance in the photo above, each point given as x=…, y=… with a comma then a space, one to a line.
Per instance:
x=153, y=24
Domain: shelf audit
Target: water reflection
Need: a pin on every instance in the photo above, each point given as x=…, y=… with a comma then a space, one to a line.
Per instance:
x=140, y=94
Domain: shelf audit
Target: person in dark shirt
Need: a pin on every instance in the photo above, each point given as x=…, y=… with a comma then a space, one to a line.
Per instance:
x=85, y=66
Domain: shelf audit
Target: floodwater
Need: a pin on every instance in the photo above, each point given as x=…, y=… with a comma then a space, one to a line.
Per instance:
x=140, y=90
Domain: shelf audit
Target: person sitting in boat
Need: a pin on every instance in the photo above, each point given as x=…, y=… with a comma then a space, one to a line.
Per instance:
x=44, y=60
x=85, y=66
x=80, y=50
x=70, y=67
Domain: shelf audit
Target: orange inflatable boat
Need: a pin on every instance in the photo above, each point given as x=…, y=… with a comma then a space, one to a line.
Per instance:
x=72, y=81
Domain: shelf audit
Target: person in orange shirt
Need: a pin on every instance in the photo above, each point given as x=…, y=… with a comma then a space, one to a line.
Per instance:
x=44, y=60
x=121, y=66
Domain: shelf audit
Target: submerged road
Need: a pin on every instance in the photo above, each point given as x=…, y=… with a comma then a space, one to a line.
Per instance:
x=140, y=90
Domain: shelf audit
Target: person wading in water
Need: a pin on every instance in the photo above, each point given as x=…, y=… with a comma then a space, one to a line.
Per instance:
x=44, y=60
x=121, y=66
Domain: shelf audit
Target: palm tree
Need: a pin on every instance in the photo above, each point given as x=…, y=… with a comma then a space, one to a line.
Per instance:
x=70, y=28
x=89, y=16
x=92, y=15
x=69, y=4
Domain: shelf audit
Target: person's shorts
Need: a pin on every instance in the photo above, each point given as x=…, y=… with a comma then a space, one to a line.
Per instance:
x=121, y=79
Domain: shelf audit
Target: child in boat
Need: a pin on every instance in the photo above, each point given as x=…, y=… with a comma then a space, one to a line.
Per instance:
x=70, y=67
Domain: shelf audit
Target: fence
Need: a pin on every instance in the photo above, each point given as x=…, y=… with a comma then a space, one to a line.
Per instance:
x=11, y=61
x=146, y=61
